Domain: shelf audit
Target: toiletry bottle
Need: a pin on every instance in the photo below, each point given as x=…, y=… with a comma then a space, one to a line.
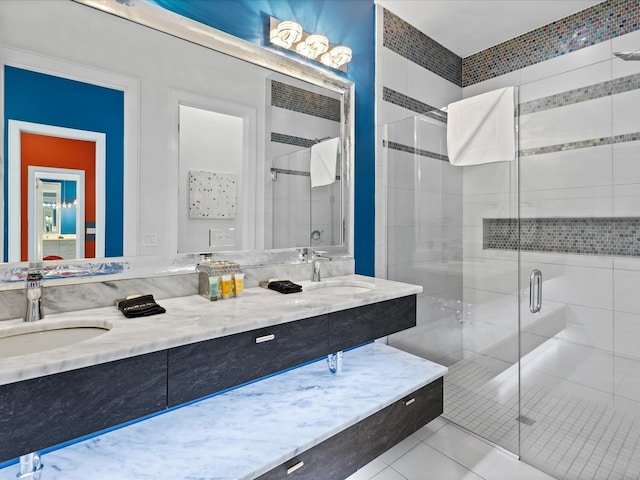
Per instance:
x=238, y=283
x=226, y=285
x=213, y=287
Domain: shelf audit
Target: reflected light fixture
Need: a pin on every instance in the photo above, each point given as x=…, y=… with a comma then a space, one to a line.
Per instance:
x=289, y=35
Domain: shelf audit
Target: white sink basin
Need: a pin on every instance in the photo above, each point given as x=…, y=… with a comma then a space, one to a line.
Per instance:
x=338, y=287
x=38, y=337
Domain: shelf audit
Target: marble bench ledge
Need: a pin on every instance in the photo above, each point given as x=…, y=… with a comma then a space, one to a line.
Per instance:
x=245, y=432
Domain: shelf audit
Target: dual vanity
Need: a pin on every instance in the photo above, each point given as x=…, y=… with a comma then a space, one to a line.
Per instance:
x=233, y=389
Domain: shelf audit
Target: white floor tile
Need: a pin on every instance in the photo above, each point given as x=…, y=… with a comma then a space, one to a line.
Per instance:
x=480, y=457
x=430, y=428
x=399, y=450
x=370, y=470
x=425, y=462
x=389, y=474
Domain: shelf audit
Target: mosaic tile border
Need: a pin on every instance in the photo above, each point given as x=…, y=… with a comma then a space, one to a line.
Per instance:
x=409, y=42
x=302, y=101
x=410, y=103
x=594, y=142
x=617, y=236
x=596, y=24
x=583, y=94
x=417, y=151
x=292, y=140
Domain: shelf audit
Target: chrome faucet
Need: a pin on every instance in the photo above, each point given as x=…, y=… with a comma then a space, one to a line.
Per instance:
x=33, y=288
x=318, y=256
x=30, y=467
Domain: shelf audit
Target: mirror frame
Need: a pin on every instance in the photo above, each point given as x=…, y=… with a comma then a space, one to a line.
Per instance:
x=166, y=21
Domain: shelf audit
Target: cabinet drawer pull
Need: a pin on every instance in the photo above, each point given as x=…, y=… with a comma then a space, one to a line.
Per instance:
x=297, y=466
x=409, y=402
x=265, y=338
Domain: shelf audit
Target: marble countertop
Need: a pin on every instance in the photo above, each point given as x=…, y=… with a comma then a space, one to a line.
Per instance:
x=188, y=320
x=214, y=438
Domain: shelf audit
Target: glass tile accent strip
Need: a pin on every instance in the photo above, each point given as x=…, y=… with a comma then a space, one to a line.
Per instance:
x=619, y=236
x=409, y=42
x=303, y=101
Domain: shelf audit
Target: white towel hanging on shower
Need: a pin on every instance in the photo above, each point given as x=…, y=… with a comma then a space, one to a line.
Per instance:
x=481, y=129
x=322, y=166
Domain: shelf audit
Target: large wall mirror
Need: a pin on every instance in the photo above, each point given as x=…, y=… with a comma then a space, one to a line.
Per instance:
x=172, y=137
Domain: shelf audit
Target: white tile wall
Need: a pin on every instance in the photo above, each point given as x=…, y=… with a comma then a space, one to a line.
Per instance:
x=571, y=123
x=585, y=167
x=590, y=322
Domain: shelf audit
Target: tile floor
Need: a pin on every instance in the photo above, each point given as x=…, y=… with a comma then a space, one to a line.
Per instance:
x=576, y=431
x=442, y=451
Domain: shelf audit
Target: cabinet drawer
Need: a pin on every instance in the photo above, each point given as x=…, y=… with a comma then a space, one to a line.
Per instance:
x=45, y=411
x=207, y=367
x=390, y=426
x=397, y=315
x=333, y=459
x=359, y=325
x=352, y=327
x=428, y=404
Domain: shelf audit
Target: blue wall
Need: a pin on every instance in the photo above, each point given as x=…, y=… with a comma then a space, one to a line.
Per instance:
x=348, y=22
x=39, y=98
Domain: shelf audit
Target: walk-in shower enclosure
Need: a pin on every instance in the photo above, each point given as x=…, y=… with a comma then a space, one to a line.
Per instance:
x=560, y=388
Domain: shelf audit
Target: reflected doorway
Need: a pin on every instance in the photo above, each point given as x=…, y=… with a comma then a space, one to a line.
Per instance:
x=56, y=203
x=49, y=148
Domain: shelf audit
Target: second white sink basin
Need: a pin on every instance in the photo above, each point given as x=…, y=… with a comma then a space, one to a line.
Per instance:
x=338, y=287
x=38, y=337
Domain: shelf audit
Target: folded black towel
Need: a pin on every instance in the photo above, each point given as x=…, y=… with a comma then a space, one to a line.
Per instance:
x=142, y=306
x=285, y=286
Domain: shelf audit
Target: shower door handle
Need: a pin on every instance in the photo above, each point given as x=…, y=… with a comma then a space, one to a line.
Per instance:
x=535, y=291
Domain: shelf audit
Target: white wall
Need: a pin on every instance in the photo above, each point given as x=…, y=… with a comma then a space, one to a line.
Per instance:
x=212, y=142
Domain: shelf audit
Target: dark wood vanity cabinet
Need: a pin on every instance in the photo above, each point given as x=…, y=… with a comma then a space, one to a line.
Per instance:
x=333, y=459
x=384, y=429
x=45, y=411
x=359, y=325
x=203, y=368
x=200, y=369
x=341, y=455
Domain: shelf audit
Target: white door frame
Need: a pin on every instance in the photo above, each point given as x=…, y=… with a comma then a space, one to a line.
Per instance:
x=16, y=127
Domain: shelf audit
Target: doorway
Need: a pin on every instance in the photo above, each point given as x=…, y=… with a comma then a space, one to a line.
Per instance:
x=56, y=203
x=42, y=147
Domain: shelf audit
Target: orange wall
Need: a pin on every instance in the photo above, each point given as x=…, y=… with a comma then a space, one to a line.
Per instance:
x=56, y=152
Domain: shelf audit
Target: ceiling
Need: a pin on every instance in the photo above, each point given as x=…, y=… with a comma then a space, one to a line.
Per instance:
x=469, y=26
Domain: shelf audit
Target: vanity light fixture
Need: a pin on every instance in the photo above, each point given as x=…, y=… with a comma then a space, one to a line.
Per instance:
x=337, y=57
x=285, y=34
x=289, y=35
x=313, y=46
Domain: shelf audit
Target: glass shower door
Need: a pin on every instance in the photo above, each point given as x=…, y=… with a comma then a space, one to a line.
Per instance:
x=467, y=317
x=579, y=225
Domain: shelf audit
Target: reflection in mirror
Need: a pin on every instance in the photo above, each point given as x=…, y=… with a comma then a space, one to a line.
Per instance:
x=305, y=132
x=208, y=187
x=58, y=206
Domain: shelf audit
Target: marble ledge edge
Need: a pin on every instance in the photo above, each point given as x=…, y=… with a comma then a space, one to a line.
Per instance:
x=334, y=431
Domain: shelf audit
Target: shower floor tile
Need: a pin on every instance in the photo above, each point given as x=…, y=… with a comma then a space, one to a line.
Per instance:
x=572, y=432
